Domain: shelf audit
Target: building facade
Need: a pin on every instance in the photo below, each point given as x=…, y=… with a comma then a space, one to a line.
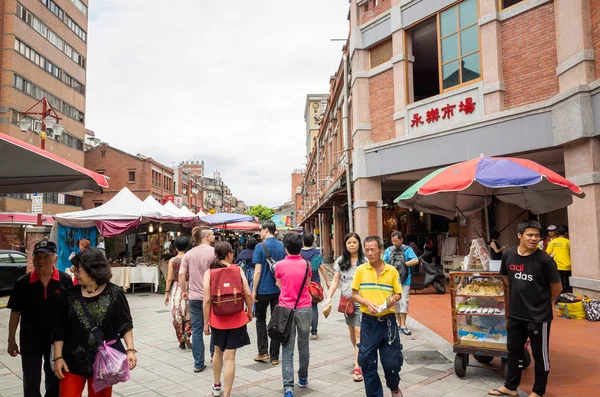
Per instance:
x=44, y=51
x=188, y=179
x=313, y=115
x=435, y=82
x=140, y=174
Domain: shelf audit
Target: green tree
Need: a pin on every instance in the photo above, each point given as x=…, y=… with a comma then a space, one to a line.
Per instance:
x=261, y=212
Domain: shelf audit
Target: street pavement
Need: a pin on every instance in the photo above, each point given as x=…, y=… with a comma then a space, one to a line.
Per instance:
x=165, y=370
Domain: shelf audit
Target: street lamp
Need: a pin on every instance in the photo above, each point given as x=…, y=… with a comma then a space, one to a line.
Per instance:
x=48, y=117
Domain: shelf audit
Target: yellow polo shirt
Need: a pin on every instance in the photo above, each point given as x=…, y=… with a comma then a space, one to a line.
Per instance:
x=561, y=248
x=376, y=289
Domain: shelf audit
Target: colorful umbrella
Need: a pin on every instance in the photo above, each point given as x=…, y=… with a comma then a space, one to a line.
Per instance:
x=468, y=187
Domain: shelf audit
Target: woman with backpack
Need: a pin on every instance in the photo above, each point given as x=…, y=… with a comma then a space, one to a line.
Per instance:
x=179, y=306
x=343, y=272
x=313, y=256
x=225, y=291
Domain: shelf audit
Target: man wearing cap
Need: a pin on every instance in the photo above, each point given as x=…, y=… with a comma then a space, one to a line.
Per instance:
x=32, y=302
x=551, y=236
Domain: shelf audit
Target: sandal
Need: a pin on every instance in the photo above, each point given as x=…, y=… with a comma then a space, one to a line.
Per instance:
x=501, y=393
x=406, y=331
x=357, y=375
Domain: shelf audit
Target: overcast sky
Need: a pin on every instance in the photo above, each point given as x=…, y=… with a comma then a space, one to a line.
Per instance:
x=219, y=81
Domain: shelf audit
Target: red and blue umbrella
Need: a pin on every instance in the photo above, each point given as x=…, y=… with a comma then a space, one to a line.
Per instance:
x=469, y=186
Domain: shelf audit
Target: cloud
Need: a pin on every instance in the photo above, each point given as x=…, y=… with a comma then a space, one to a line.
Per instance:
x=223, y=82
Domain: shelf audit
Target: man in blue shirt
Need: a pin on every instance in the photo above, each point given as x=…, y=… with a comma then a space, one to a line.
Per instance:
x=265, y=291
x=400, y=254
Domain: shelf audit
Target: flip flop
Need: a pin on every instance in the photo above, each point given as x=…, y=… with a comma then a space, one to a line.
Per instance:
x=406, y=331
x=501, y=393
x=357, y=375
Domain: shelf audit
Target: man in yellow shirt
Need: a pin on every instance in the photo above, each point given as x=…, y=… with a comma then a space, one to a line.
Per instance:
x=560, y=249
x=376, y=287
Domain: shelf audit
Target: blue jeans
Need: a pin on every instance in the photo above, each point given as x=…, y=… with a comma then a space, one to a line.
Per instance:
x=301, y=326
x=382, y=336
x=197, y=317
x=315, y=319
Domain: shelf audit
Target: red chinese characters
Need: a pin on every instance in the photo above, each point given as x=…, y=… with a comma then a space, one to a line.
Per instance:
x=466, y=106
x=416, y=120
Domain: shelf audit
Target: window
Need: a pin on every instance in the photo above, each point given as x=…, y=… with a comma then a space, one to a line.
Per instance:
x=131, y=176
x=446, y=51
x=97, y=204
x=60, y=14
x=48, y=66
x=381, y=53
x=459, y=35
x=509, y=3
x=80, y=6
x=52, y=37
x=19, y=258
x=4, y=257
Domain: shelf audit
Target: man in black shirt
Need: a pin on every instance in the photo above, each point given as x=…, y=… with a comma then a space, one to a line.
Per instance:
x=533, y=284
x=33, y=302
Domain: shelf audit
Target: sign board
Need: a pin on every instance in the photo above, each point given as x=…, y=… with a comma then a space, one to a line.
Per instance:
x=178, y=202
x=282, y=222
x=479, y=254
x=37, y=203
x=61, y=198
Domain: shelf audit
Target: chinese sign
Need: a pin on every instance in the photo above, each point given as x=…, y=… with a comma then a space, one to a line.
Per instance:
x=37, y=200
x=444, y=113
x=283, y=221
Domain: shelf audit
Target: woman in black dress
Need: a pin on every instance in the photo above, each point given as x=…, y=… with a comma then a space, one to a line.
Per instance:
x=74, y=344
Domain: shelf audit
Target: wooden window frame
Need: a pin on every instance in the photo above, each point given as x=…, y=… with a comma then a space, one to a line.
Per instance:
x=502, y=8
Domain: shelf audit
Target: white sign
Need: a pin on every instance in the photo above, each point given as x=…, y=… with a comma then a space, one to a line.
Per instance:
x=178, y=202
x=452, y=110
x=61, y=198
x=37, y=202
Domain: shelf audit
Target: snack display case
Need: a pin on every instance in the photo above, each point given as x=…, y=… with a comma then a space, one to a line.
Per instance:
x=479, y=302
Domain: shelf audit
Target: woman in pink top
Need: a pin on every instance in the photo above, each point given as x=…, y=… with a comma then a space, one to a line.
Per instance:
x=229, y=331
x=293, y=277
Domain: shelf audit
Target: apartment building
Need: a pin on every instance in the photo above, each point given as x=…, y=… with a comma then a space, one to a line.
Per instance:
x=426, y=83
x=188, y=180
x=44, y=51
x=142, y=175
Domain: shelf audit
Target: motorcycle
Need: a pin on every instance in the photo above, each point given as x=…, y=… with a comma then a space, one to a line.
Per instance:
x=434, y=275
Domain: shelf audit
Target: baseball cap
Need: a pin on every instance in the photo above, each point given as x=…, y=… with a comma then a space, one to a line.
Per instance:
x=45, y=246
x=552, y=228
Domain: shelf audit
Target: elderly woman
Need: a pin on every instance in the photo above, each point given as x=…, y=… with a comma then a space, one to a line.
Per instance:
x=74, y=343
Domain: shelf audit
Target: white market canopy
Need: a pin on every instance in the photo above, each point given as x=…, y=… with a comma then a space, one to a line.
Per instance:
x=185, y=210
x=124, y=206
x=164, y=211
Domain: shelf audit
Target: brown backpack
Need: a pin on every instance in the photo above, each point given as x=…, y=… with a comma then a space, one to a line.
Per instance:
x=227, y=290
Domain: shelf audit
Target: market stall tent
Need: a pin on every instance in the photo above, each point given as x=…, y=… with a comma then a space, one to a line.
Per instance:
x=186, y=211
x=239, y=226
x=164, y=211
x=225, y=217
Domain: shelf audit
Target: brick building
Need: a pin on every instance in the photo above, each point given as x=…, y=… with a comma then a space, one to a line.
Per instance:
x=44, y=54
x=140, y=174
x=433, y=82
x=188, y=177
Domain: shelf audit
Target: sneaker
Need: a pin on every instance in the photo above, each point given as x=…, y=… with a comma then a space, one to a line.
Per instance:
x=397, y=393
x=261, y=357
x=314, y=336
x=302, y=383
x=196, y=370
x=275, y=362
x=289, y=394
x=216, y=390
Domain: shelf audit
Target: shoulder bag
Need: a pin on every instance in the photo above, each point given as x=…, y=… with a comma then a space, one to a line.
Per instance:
x=111, y=365
x=282, y=318
x=270, y=261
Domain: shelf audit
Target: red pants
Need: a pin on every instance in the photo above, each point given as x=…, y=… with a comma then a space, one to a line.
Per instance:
x=73, y=385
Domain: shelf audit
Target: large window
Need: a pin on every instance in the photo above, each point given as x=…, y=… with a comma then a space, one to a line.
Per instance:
x=80, y=6
x=52, y=37
x=48, y=66
x=446, y=50
x=60, y=14
x=459, y=34
x=381, y=53
x=131, y=176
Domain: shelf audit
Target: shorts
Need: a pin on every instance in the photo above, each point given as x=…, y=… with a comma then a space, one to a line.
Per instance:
x=230, y=339
x=354, y=320
x=402, y=304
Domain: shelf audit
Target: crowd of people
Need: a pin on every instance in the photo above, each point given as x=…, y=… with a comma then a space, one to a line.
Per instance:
x=210, y=293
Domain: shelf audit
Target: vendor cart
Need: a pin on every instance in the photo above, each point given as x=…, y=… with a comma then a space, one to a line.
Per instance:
x=479, y=301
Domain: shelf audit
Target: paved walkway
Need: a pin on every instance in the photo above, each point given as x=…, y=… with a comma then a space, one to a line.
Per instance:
x=165, y=370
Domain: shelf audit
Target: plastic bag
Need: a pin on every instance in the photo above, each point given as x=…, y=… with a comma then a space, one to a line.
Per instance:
x=110, y=367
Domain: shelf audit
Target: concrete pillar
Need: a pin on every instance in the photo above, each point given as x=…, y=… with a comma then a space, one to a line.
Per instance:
x=368, y=217
x=582, y=166
x=399, y=59
x=575, y=54
x=491, y=57
x=326, y=236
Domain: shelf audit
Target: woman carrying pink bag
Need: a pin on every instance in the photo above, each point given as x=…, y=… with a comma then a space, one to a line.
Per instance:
x=93, y=317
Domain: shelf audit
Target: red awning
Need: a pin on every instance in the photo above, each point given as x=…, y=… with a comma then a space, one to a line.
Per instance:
x=23, y=218
x=25, y=168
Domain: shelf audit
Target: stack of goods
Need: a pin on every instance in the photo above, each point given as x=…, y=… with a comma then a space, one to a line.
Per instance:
x=483, y=287
x=481, y=306
x=480, y=334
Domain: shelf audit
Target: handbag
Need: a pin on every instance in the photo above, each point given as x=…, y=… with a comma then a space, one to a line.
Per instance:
x=111, y=365
x=316, y=292
x=282, y=318
x=346, y=306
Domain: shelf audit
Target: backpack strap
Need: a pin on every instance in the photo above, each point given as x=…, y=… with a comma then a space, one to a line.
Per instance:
x=266, y=250
x=95, y=330
x=303, y=284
